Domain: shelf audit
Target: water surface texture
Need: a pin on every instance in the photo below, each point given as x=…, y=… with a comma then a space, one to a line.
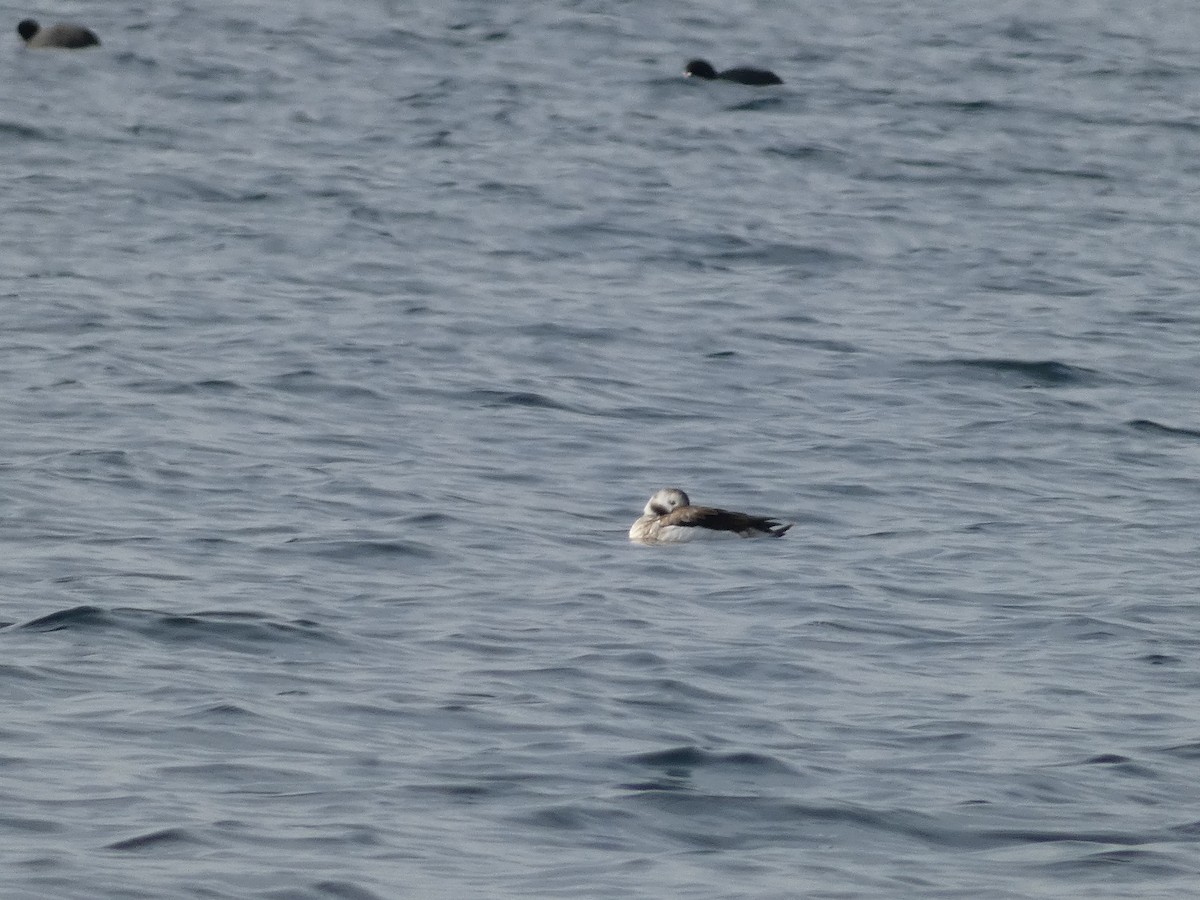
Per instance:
x=342, y=343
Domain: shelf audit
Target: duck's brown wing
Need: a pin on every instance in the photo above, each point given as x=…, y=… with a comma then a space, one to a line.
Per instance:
x=724, y=520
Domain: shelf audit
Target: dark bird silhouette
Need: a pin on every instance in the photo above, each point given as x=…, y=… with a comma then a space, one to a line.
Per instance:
x=63, y=36
x=699, y=68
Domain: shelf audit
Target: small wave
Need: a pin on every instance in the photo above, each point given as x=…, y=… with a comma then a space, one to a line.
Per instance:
x=366, y=549
x=234, y=773
x=578, y=817
x=650, y=414
x=108, y=457
x=824, y=344
x=572, y=333
x=225, y=712
x=678, y=768
x=807, y=152
x=1188, y=831
x=689, y=757
x=31, y=826
x=306, y=382
x=345, y=890
x=456, y=790
x=174, y=388
x=968, y=107
x=1160, y=659
x=76, y=617
x=1121, y=764
x=143, y=62
x=1086, y=174
x=1050, y=373
x=1190, y=750
x=231, y=629
x=1132, y=864
x=1153, y=427
x=527, y=399
x=154, y=839
x=428, y=519
x=759, y=103
x=785, y=256
x=191, y=188
x=25, y=132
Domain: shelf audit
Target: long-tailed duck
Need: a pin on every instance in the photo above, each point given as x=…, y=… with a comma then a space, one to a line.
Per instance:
x=670, y=518
x=699, y=68
x=63, y=35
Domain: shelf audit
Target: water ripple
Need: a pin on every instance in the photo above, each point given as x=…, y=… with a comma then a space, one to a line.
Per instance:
x=228, y=629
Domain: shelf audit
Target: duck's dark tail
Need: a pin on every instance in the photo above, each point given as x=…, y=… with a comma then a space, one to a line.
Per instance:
x=773, y=527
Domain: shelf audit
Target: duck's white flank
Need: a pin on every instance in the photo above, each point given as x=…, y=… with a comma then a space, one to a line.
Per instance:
x=670, y=518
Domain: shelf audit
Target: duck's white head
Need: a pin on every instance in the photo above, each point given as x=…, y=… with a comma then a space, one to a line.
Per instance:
x=665, y=500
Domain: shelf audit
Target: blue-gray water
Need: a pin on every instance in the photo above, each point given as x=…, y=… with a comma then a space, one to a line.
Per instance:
x=342, y=343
